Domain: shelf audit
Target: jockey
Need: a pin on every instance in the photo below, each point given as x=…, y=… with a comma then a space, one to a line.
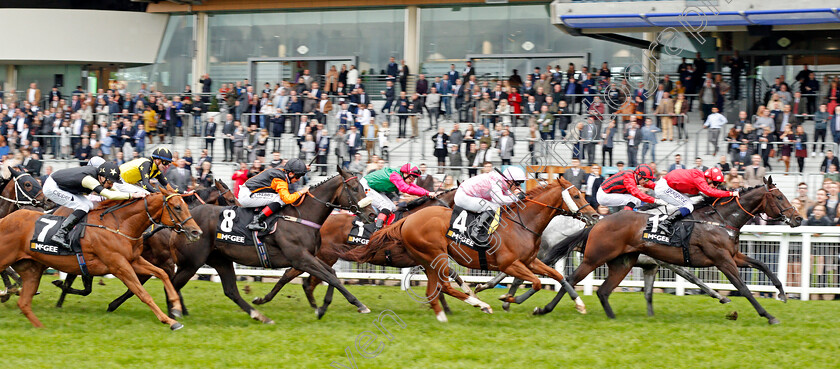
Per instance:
x=674, y=187
x=270, y=188
x=67, y=187
x=622, y=188
x=137, y=173
x=390, y=180
x=489, y=191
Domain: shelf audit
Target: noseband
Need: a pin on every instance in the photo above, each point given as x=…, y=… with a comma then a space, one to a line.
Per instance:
x=19, y=191
x=352, y=208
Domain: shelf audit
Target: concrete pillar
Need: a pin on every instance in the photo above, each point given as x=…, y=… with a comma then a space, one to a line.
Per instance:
x=11, y=78
x=201, y=44
x=412, y=39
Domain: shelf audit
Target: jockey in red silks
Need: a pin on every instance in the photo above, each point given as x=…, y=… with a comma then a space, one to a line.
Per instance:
x=674, y=186
x=622, y=188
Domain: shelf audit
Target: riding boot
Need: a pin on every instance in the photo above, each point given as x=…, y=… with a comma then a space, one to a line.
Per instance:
x=668, y=223
x=61, y=237
x=630, y=206
x=479, y=231
x=384, y=217
x=258, y=223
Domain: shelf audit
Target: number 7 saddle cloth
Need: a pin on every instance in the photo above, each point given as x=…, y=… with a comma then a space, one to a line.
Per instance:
x=46, y=227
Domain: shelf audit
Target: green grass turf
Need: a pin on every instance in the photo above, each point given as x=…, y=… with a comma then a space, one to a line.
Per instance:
x=689, y=332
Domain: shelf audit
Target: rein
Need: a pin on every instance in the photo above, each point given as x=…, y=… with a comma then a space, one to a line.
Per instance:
x=198, y=197
x=781, y=215
x=353, y=208
x=564, y=212
x=178, y=226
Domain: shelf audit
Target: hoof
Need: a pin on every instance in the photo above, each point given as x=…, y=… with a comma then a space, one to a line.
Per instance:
x=506, y=298
x=268, y=321
x=364, y=310
x=581, y=309
x=487, y=310
x=58, y=283
x=783, y=297
x=538, y=311
x=441, y=317
x=258, y=301
x=319, y=312
x=4, y=298
x=481, y=287
x=176, y=313
x=506, y=306
x=773, y=321
x=111, y=309
x=176, y=326
x=725, y=300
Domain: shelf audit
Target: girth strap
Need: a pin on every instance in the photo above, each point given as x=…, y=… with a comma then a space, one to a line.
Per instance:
x=262, y=253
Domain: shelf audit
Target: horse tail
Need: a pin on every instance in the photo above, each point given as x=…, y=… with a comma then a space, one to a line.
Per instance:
x=565, y=247
x=379, y=240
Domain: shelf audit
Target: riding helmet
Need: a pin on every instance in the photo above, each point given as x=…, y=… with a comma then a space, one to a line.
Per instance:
x=714, y=174
x=296, y=166
x=645, y=172
x=162, y=153
x=110, y=170
x=410, y=169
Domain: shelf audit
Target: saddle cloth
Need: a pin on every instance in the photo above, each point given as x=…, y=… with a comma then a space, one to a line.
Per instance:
x=461, y=222
x=361, y=233
x=679, y=236
x=46, y=227
x=233, y=225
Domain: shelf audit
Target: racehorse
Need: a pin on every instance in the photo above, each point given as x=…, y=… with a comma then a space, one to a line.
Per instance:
x=156, y=247
x=650, y=266
x=109, y=246
x=293, y=244
x=514, y=245
x=617, y=241
x=20, y=190
x=334, y=245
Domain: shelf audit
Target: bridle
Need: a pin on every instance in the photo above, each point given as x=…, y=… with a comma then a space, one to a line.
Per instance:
x=781, y=217
x=354, y=208
x=567, y=198
x=19, y=191
x=177, y=223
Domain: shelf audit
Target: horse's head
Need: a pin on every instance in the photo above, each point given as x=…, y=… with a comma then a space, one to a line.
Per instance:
x=27, y=189
x=178, y=214
x=575, y=203
x=777, y=206
x=226, y=197
x=352, y=196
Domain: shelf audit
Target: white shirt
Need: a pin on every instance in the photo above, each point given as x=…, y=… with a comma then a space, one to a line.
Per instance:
x=363, y=117
x=352, y=77
x=77, y=127
x=31, y=94
x=590, y=181
x=715, y=121
x=351, y=138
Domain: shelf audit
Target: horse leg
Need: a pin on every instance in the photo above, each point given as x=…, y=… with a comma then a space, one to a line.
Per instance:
x=747, y=261
x=444, y=305
x=122, y=269
x=538, y=267
x=512, y=292
x=650, y=276
x=730, y=270
x=311, y=283
x=618, y=269
x=228, y=276
x=127, y=295
x=581, y=272
x=144, y=267
x=287, y=277
x=316, y=267
x=460, y=282
x=65, y=286
x=30, y=273
x=491, y=283
x=433, y=293
x=689, y=276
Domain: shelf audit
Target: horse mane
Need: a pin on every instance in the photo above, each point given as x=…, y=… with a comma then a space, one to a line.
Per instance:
x=709, y=201
x=324, y=181
x=540, y=189
x=422, y=200
x=109, y=203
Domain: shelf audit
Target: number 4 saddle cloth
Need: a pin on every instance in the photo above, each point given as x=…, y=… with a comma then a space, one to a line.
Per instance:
x=46, y=227
x=463, y=220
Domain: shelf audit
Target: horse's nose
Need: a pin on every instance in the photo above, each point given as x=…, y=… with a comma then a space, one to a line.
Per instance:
x=196, y=233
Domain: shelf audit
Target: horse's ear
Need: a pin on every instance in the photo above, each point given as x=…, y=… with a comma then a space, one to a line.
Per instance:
x=162, y=190
x=340, y=170
x=12, y=172
x=169, y=187
x=769, y=180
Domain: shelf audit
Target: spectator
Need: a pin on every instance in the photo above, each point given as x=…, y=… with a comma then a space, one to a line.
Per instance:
x=238, y=142
x=239, y=177
x=832, y=173
x=441, y=142
x=754, y=174
x=455, y=160
x=433, y=107
x=633, y=138
x=608, y=142
x=592, y=183
x=800, y=137
x=666, y=106
x=714, y=122
x=821, y=119
x=802, y=195
x=829, y=160
x=733, y=180
x=786, y=148
x=723, y=165
x=323, y=150
x=356, y=166
x=649, y=140
x=575, y=174
x=482, y=155
x=307, y=148
x=698, y=164
x=818, y=217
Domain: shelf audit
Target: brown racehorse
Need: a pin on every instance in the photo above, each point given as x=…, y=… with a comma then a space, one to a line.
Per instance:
x=514, y=245
x=334, y=245
x=294, y=243
x=19, y=190
x=109, y=245
x=617, y=241
x=156, y=246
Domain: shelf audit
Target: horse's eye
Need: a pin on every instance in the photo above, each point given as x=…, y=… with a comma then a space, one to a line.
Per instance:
x=178, y=208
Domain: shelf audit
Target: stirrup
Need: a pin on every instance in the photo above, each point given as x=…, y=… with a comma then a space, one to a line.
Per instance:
x=258, y=226
x=61, y=241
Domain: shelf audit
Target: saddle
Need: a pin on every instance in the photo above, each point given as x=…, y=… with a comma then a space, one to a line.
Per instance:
x=465, y=226
x=678, y=236
x=46, y=227
x=361, y=233
x=233, y=226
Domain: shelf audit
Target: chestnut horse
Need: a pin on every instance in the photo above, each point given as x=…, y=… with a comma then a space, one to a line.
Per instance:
x=513, y=248
x=617, y=241
x=109, y=245
x=294, y=243
x=156, y=247
x=334, y=245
